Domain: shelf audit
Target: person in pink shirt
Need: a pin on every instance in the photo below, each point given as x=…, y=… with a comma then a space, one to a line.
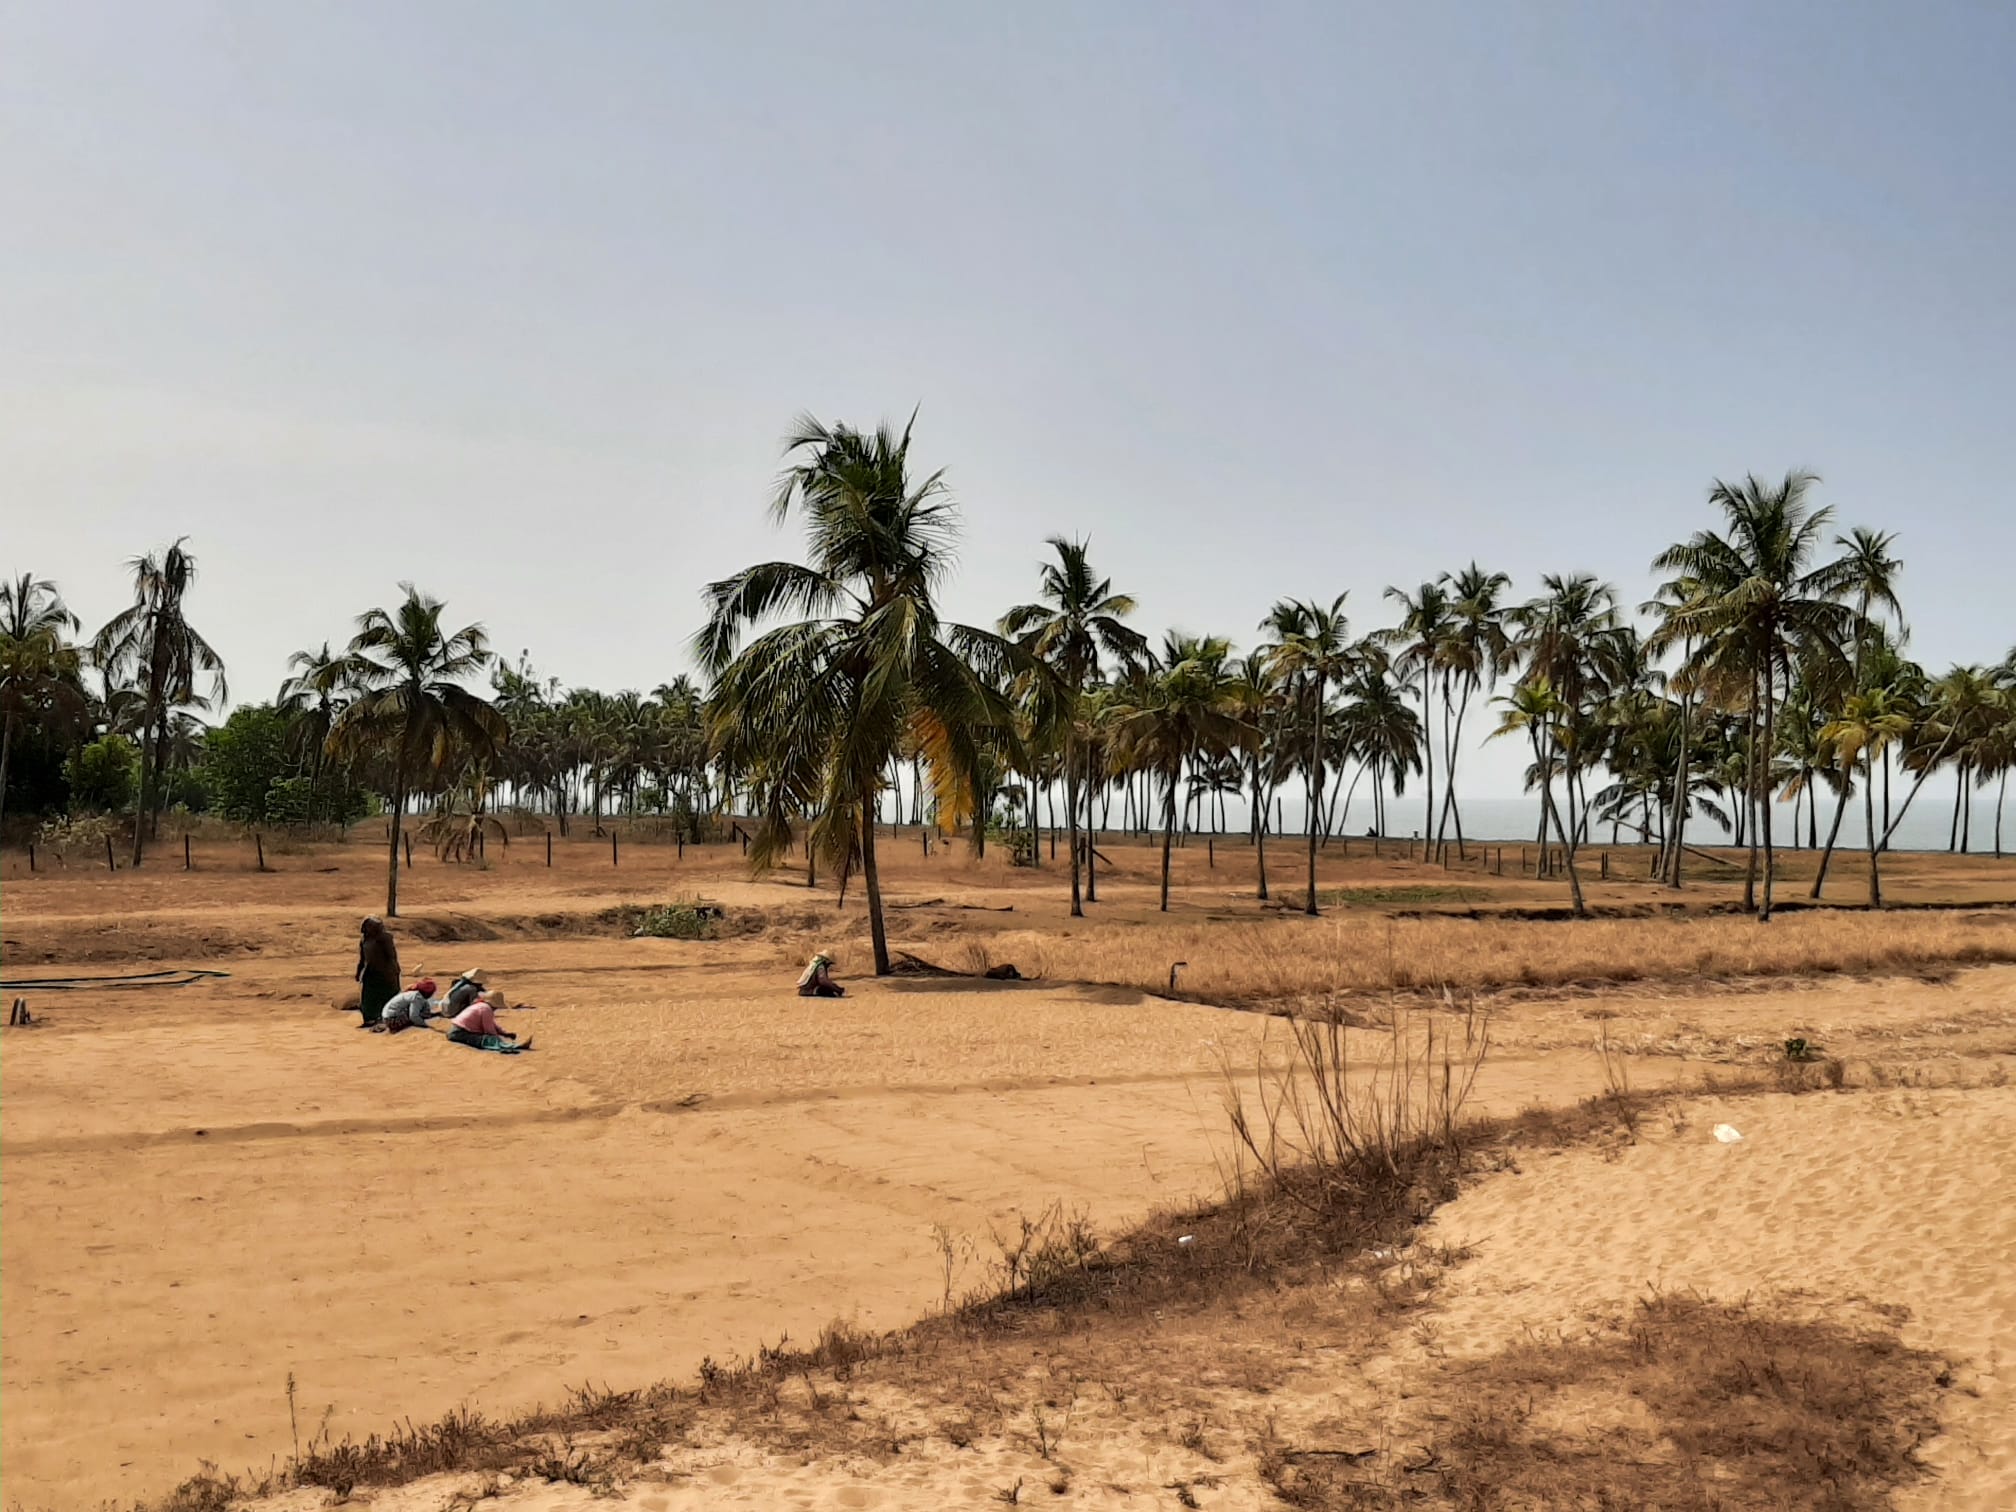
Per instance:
x=477, y=1027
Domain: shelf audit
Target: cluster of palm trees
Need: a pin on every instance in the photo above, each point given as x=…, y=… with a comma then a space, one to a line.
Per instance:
x=1770, y=671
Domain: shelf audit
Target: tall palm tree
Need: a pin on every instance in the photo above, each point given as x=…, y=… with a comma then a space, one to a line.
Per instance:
x=1256, y=692
x=1314, y=651
x=1870, y=570
x=312, y=695
x=411, y=708
x=1076, y=618
x=1570, y=639
x=1379, y=729
x=1184, y=708
x=1533, y=709
x=40, y=671
x=1765, y=604
x=1476, y=651
x=1869, y=723
x=153, y=643
x=1423, y=636
x=816, y=709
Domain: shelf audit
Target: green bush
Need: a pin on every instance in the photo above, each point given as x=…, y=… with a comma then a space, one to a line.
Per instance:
x=103, y=775
x=678, y=921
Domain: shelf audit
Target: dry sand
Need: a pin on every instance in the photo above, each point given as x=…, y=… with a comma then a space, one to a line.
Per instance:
x=207, y=1191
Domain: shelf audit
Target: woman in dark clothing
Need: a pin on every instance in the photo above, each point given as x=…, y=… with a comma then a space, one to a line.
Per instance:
x=377, y=969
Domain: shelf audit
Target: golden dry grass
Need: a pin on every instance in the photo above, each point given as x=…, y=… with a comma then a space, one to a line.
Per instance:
x=1288, y=960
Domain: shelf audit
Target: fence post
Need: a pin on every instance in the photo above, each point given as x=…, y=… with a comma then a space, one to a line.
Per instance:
x=612, y=847
x=407, y=836
x=549, y=847
x=259, y=848
x=110, y=864
x=1606, y=866
x=682, y=848
x=185, y=852
x=31, y=855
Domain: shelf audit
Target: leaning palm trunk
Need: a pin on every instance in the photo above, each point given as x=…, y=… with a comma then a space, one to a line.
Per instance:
x=1168, y=837
x=1071, y=814
x=872, y=880
x=1680, y=794
x=1912, y=792
x=1833, y=830
x=1315, y=795
x=1770, y=739
x=1553, y=814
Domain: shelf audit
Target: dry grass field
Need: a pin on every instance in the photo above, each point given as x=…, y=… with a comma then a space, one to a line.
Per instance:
x=236, y=1230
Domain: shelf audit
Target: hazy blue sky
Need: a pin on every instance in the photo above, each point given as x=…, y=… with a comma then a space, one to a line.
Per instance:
x=516, y=300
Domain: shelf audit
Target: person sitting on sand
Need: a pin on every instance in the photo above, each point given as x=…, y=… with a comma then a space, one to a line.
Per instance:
x=463, y=991
x=476, y=1026
x=377, y=969
x=409, y=1009
x=818, y=979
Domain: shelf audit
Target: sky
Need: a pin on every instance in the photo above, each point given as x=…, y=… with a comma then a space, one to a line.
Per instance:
x=515, y=301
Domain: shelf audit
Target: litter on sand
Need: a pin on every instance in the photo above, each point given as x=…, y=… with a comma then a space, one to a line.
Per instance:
x=1728, y=1134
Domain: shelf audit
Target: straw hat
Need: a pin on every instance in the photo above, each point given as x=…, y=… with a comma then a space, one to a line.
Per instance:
x=473, y=974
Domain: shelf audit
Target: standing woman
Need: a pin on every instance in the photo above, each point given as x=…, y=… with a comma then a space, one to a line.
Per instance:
x=377, y=969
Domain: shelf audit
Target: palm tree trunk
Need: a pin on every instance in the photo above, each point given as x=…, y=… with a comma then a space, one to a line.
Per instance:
x=1168, y=837
x=1959, y=797
x=1260, y=836
x=1091, y=840
x=1427, y=758
x=1770, y=739
x=1071, y=812
x=1551, y=812
x=1678, y=827
x=877, y=934
x=7, y=747
x=1833, y=830
x=1750, y=801
x=1316, y=790
x=398, y=822
x=1869, y=819
x=1905, y=807
x=2001, y=795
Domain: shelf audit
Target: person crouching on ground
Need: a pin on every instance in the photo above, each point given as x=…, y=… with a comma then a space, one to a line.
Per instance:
x=377, y=969
x=409, y=1009
x=477, y=1026
x=463, y=991
x=818, y=979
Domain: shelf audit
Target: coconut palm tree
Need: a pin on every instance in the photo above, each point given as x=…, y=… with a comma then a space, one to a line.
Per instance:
x=816, y=709
x=1076, y=619
x=153, y=643
x=1423, y=638
x=1869, y=723
x=1765, y=605
x=410, y=707
x=1257, y=693
x=41, y=673
x=1379, y=729
x=1871, y=571
x=1313, y=651
x=1185, y=707
x=1477, y=650
x=317, y=685
x=1570, y=638
x=1533, y=709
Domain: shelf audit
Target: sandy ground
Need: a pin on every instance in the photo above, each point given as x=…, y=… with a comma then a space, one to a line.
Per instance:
x=210, y=1191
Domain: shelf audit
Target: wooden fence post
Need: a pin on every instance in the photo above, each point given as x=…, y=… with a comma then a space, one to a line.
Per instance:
x=612, y=847
x=31, y=855
x=549, y=847
x=682, y=848
x=407, y=836
x=1606, y=866
x=185, y=852
x=259, y=849
x=110, y=864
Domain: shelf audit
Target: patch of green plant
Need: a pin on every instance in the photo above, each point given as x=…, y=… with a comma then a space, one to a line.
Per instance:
x=1372, y=897
x=678, y=921
x=1801, y=1050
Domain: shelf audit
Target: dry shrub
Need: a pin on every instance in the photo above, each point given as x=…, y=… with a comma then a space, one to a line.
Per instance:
x=1691, y=1406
